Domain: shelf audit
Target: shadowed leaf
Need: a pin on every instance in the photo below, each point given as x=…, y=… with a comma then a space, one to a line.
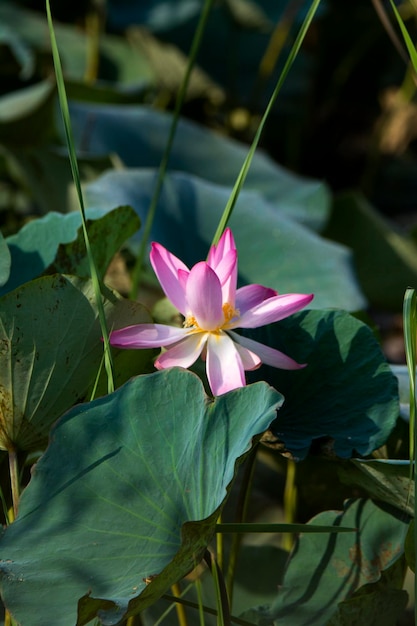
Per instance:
x=345, y=401
x=324, y=571
x=127, y=492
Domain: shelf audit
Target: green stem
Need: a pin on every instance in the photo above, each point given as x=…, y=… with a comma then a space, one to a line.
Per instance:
x=223, y=605
x=14, y=481
x=165, y=157
x=246, y=164
x=410, y=338
x=200, y=602
x=177, y=597
x=96, y=281
x=206, y=609
x=290, y=502
x=181, y=615
x=241, y=513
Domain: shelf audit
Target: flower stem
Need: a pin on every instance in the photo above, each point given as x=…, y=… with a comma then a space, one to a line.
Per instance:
x=15, y=487
x=290, y=502
x=241, y=513
x=223, y=605
x=181, y=615
x=14, y=482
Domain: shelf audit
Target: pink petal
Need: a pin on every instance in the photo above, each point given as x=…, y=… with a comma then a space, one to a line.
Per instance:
x=224, y=245
x=226, y=270
x=183, y=277
x=166, y=266
x=273, y=310
x=147, y=336
x=267, y=355
x=251, y=295
x=226, y=267
x=250, y=360
x=184, y=353
x=224, y=365
x=204, y=297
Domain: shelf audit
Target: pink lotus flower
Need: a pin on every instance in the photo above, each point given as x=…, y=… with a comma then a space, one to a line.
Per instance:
x=212, y=307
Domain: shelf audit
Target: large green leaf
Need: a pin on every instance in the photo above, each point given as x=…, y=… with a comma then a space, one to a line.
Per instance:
x=50, y=354
x=106, y=236
x=345, y=399
x=139, y=135
x=376, y=604
x=273, y=250
x=129, y=488
x=55, y=244
x=324, y=571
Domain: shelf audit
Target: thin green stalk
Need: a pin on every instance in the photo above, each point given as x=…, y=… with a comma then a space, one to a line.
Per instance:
x=410, y=336
x=63, y=101
x=219, y=545
x=275, y=47
x=198, y=35
x=173, y=605
x=290, y=502
x=407, y=39
x=11, y=515
x=100, y=369
x=206, y=609
x=181, y=614
x=386, y=23
x=281, y=528
x=4, y=507
x=410, y=330
x=241, y=513
x=246, y=164
x=199, y=590
x=93, y=25
x=223, y=605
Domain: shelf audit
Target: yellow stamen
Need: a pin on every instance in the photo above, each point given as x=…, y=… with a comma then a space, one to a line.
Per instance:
x=229, y=313
x=190, y=321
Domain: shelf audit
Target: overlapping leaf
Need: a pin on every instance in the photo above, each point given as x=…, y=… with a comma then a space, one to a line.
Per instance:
x=383, y=479
x=291, y=258
x=55, y=243
x=107, y=502
x=324, y=571
x=345, y=399
x=139, y=134
x=50, y=353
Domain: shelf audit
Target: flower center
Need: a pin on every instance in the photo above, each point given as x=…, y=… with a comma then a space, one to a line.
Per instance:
x=229, y=313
